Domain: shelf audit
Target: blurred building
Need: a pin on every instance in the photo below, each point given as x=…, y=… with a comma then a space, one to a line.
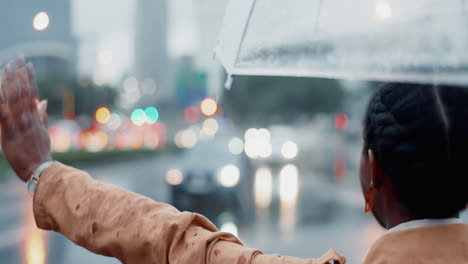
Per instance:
x=210, y=14
x=40, y=30
x=190, y=82
x=151, y=56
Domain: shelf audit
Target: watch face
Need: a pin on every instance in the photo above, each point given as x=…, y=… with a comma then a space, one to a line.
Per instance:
x=31, y=186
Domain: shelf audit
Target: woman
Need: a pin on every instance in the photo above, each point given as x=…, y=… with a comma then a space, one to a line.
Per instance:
x=411, y=174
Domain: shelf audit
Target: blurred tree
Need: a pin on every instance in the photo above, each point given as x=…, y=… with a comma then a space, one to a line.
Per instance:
x=264, y=99
x=69, y=98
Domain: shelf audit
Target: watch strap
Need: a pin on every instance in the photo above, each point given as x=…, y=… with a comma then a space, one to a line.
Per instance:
x=32, y=183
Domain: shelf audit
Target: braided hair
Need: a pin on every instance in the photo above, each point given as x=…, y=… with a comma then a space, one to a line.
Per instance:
x=419, y=134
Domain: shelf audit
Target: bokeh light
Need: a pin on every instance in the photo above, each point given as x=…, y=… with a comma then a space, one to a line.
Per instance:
x=289, y=183
x=236, y=146
x=192, y=114
x=264, y=134
x=138, y=117
x=250, y=133
x=115, y=121
x=209, y=106
x=35, y=245
x=152, y=115
x=263, y=187
x=189, y=138
x=229, y=176
x=341, y=121
x=130, y=84
x=122, y=140
x=100, y=140
x=383, y=10
x=257, y=143
x=102, y=115
x=60, y=140
x=174, y=177
x=85, y=139
x=210, y=127
x=41, y=21
x=265, y=150
x=148, y=86
x=339, y=169
x=152, y=140
x=289, y=150
x=178, y=139
x=137, y=141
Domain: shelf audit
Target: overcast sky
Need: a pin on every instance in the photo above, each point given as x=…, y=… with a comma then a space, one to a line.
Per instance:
x=109, y=25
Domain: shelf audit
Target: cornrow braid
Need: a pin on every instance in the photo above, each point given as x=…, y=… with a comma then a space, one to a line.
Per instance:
x=444, y=118
x=411, y=129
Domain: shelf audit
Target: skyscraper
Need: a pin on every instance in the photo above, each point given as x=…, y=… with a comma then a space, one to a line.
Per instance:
x=151, y=56
x=210, y=15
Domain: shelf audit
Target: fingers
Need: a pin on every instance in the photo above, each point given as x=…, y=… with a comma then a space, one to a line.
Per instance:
x=31, y=93
x=19, y=106
x=11, y=92
x=8, y=90
x=19, y=109
x=3, y=107
x=337, y=257
x=14, y=92
x=42, y=110
x=2, y=98
x=332, y=257
x=22, y=109
x=21, y=80
x=32, y=78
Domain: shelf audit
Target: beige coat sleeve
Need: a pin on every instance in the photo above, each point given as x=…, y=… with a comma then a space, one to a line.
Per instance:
x=136, y=230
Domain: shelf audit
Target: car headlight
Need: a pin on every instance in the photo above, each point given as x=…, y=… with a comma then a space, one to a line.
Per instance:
x=289, y=150
x=174, y=177
x=229, y=176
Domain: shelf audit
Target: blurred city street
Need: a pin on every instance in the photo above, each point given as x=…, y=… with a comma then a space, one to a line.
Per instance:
x=202, y=105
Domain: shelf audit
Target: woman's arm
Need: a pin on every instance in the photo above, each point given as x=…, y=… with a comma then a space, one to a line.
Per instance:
x=109, y=221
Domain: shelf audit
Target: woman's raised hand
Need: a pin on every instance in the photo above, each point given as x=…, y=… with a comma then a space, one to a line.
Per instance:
x=23, y=119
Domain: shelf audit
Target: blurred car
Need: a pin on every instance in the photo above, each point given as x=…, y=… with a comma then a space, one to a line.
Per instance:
x=211, y=180
x=273, y=147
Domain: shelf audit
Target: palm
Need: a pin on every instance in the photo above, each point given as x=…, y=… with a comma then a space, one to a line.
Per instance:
x=25, y=140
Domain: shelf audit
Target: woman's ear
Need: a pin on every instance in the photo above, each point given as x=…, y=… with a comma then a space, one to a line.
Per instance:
x=374, y=169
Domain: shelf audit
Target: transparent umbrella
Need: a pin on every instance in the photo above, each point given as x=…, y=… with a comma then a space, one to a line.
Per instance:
x=387, y=40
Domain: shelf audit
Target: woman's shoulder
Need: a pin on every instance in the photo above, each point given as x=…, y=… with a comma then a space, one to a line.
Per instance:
x=422, y=245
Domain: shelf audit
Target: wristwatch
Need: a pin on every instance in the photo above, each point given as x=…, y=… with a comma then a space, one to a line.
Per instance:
x=32, y=183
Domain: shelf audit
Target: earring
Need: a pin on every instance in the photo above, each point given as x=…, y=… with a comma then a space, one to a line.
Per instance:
x=370, y=196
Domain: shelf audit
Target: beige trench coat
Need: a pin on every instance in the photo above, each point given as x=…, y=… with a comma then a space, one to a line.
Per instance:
x=427, y=245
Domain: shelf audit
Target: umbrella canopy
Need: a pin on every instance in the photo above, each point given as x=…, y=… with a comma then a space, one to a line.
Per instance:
x=388, y=40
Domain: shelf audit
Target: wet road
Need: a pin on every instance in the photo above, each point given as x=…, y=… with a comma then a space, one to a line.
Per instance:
x=322, y=216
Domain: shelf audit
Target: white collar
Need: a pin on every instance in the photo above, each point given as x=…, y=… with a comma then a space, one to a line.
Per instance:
x=425, y=223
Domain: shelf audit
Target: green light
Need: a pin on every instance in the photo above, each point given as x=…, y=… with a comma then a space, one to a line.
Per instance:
x=152, y=115
x=138, y=117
